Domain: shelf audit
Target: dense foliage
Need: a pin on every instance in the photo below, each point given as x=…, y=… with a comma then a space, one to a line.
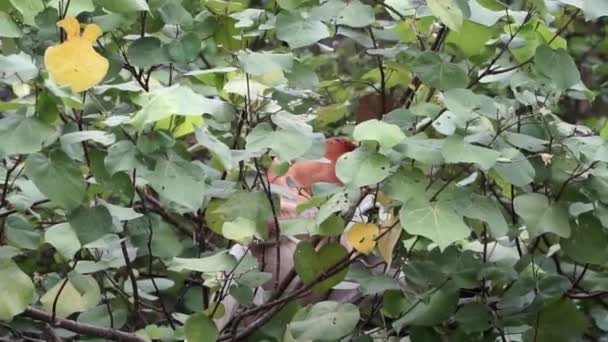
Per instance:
x=127, y=209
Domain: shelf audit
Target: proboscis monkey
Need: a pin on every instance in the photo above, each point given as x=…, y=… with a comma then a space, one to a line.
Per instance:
x=299, y=179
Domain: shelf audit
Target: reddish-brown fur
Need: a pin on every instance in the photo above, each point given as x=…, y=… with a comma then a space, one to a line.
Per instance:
x=307, y=173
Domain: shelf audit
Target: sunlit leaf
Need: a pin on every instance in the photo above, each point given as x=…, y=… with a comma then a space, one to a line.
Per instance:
x=16, y=290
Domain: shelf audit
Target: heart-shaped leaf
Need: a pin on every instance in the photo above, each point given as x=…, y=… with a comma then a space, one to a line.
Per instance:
x=310, y=264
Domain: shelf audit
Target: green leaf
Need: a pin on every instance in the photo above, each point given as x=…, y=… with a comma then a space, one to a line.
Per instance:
x=371, y=283
x=253, y=206
x=173, y=13
x=362, y=167
x=433, y=71
x=28, y=9
x=8, y=27
x=600, y=317
x=146, y=52
x=394, y=304
x=324, y=321
x=402, y=7
x=178, y=100
x=291, y=4
x=21, y=233
x=101, y=137
x=431, y=310
x=80, y=293
x=288, y=143
x=542, y=217
x=339, y=201
x=76, y=6
x=247, y=17
x=124, y=6
x=179, y=181
x=419, y=148
x=24, y=135
x=471, y=38
x=558, y=65
x=448, y=12
x=64, y=239
x=213, y=144
x=92, y=223
x=406, y=184
x=109, y=316
x=185, y=49
x=219, y=262
x=310, y=264
x=474, y=317
x=387, y=135
x=525, y=142
x=153, y=332
x=299, y=30
x=487, y=12
x=161, y=236
x=356, y=14
x=241, y=230
x=351, y=13
x=436, y=221
x=468, y=106
x=16, y=290
x=515, y=168
x=301, y=76
x=44, y=172
x=483, y=209
x=243, y=294
x=558, y=321
x=200, y=328
x=121, y=157
x=588, y=243
x=592, y=9
x=456, y=150
x=257, y=64
x=17, y=68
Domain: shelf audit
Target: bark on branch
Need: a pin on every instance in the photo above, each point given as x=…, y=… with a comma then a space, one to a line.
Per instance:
x=82, y=328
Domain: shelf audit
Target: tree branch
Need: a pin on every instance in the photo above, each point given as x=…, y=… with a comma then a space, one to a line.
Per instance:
x=82, y=328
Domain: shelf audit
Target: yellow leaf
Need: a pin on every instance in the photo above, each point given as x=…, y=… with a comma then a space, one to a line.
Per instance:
x=75, y=62
x=388, y=241
x=362, y=237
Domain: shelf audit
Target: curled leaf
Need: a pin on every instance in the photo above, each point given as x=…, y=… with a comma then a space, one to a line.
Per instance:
x=362, y=237
x=75, y=62
x=387, y=243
